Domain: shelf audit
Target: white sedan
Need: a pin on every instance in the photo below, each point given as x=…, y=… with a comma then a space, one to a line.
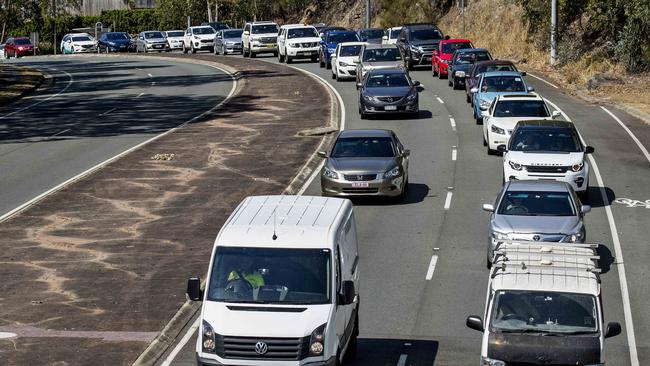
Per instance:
x=345, y=59
x=78, y=43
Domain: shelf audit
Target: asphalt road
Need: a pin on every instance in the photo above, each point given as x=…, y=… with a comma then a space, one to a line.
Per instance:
x=94, y=109
x=409, y=320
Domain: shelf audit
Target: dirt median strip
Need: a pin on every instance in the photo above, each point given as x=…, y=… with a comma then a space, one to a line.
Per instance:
x=17, y=81
x=104, y=261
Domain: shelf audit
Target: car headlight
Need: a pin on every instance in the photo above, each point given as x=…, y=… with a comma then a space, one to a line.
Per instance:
x=344, y=64
x=368, y=98
x=317, y=341
x=294, y=45
x=196, y=37
x=498, y=130
x=392, y=173
x=208, y=339
x=412, y=96
x=484, y=103
x=330, y=173
x=415, y=49
x=491, y=362
x=515, y=166
x=460, y=74
x=578, y=167
x=500, y=236
x=575, y=238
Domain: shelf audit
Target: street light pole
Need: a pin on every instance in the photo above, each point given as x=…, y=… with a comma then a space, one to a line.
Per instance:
x=553, y=32
x=367, y=13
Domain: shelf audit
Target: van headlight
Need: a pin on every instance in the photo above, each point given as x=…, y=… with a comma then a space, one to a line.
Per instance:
x=497, y=130
x=330, y=173
x=578, y=167
x=491, y=362
x=515, y=166
x=392, y=173
x=317, y=341
x=208, y=338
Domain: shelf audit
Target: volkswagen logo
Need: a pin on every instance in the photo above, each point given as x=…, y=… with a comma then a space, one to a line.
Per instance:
x=536, y=237
x=261, y=348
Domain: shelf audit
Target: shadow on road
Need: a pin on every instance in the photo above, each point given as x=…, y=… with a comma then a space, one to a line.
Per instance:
x=595, y=198
x=379, y=352
x=606, y=258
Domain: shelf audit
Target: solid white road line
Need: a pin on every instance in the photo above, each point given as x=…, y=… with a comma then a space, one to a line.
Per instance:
x=70, y=81
x=432, y=267
x=402, y=360
x=454, y=153
x=440, y=100
x=150, y=75
x=452, y=121
x=636, y=140
x=448, y=200
x=108, y=111
x=172, y=355
x=542, y=80
x=618, y=252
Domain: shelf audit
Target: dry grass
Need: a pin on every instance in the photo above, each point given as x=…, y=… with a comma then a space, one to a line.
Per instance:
x=16, y=81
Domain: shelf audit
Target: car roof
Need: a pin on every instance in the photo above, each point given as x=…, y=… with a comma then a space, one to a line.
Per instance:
x=420, y=25
x=364, y=29
x=400, y=27
x=201, y=26
x=494, y=62
x=75, y=34
x=537, y=185
x=262, y=22
x=341, y=32
x=352, y=44
x=372, y=46
x=297, y=222
x=297, y=25
x=501, y=73
x=471, y=50
x=392, y=70
x=545, y=123
x=365, y=133
x=522, y=96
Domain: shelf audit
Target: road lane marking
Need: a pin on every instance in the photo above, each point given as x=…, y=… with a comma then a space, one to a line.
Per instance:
x=139, y=95
x=618, y=252
x=190, y=332
x=70, y=81
x=6, y=335
x=148, y=74
x=448, y=200
x=108, y=111
x=633, y=203
x=432, y=267
x=452, y=121
x=440, y=100
x=636, y=140
x=542, y=80
x=60, y=132
x=454, y=153
x=402, y=360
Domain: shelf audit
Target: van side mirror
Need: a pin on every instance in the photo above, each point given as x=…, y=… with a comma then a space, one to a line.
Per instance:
x=502, y=148
x=585, y=209
x=488, y=207
x=194, y=289
x=523, y=73
x=589, y=150
x=348, y=294
x=613, y=329
x=474, y=322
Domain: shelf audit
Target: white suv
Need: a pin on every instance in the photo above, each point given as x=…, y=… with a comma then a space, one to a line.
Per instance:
x=199, y=39
x=542, y=150
x=505, y=111
x=260, y=37
x=298, y=41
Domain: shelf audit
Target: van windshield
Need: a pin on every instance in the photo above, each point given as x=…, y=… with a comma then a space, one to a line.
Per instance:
x=270, y=276
x=544, y=312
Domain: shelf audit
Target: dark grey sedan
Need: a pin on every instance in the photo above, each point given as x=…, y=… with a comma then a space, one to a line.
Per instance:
x=365, y=163
x=228, y=41
x=388, y=91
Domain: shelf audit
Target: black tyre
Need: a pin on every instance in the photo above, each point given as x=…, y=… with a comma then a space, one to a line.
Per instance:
x=488, y=264
x=467, y=98
x=328, y=65
x=184, y=49
x=224, y=51
x=281, y=58
x=193, y=50
x=321, y=63
x=288, y=59
x=434, y=71
x=334, y=76
x=449, y=82
x=251, y=54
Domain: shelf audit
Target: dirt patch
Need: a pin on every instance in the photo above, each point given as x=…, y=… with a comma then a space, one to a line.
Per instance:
x=112, y=252
x=17, y=81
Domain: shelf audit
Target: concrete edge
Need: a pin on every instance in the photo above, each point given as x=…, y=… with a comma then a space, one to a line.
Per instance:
x=27, y=91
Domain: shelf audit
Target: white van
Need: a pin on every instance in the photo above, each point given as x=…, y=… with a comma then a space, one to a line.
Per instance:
x=282, y=285
x=544, y=306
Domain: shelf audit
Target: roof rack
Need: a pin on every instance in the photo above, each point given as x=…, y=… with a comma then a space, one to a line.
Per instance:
x=504, y=96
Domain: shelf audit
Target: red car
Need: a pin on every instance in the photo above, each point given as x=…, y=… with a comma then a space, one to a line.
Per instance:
x=18, y=47
x=443, y=54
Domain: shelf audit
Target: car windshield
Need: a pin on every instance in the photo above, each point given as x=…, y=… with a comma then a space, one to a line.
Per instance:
x=343, y=37
x=266, y=28
x=349, y=51
x=175, y=34
x=521, y=108
x=204, y=30
x=232, y=33
x=503, y=84
x=149, y=35
x=302, y=33
x=425, y=34
x=270, y=275
x=381, y=54
x=371, y=33
x=218, y=26
x=471, y=57
x=544, y=312
x=451, y=47
x=80, y=39
x=363, y=147
x=116, y=36
x=394, y=33
x=377, y=80
x=22, y=41
x=528, y=203
x=561, y=140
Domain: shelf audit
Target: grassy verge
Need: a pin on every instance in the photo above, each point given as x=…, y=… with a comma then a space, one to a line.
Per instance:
x=498, y=26
x=16, y=81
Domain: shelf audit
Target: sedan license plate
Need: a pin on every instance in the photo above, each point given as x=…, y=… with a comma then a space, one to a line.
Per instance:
x=158, y=46
x=390, y=108
x=359, y=184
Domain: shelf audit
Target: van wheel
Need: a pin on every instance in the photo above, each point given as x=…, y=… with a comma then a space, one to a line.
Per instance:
x=488, y=264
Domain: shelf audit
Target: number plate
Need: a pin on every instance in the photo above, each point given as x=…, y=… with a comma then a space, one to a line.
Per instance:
x=390, y=108
x=359, y=184
x=270, y=46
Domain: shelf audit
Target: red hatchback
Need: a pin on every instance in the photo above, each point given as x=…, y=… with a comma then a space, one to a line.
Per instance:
x=18, y=47
x=443, y=54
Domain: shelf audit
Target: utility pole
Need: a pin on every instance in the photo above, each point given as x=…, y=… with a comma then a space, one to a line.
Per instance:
x=462, y=11
x=367, y=13
x=54, y=25
x=553, y=32
x=209, y=11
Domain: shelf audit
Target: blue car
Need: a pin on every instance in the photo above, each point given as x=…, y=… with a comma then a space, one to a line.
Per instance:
x=115, y=42
x=493, y=83
x=328, y=45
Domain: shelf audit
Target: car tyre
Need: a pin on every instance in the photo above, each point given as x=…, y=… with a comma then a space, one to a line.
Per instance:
x=434, y=71
x=488, y=264
x=251, y=54
x=281, y=58
x=224, y=51
x=287, y=59
x=328, y=65
x=467, y=98
x=484, y=141
x=193, y=49
x=184, y=49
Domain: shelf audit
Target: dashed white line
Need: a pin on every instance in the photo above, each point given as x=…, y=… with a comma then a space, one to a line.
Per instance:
x=149, y=74
x=454, y=153
x=432, y=267
x=452, y=121
x=448, y=200
x=440, y=100
x=542, y=80
x=108, y=111
x=402, y=360
x=636, y=140
x=139, y=95
x=70, y=81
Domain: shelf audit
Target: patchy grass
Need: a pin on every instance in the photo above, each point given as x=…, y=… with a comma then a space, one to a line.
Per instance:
x=16, y=81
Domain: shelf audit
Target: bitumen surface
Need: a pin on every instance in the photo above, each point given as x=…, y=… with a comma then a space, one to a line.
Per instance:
x=91, y=274
x=408, y=319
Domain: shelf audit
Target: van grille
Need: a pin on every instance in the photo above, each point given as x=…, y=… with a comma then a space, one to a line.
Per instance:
x=284, y=349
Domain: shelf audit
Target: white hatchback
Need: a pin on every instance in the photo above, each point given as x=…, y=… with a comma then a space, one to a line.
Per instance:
x=344, y=60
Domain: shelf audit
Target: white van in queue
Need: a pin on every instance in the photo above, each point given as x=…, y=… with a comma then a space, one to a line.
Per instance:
x=544, y=306
x=282, y=285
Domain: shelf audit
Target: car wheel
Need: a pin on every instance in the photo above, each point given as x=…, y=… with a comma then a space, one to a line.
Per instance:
x=321, y=64
x=440, y=76
x=488, y=264
x=287, y=59
x=334, y=75
x=184, y=48
x=467, y=98
x=434, y=71
x=490, y=151
x=280, y=58
x=450, y=83
x=328, y=65
x=251, y=54
x=484, y=141
x=224, y=51
x=193, y=49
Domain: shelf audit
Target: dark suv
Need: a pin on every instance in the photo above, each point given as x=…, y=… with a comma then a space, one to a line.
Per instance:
x=417, y=42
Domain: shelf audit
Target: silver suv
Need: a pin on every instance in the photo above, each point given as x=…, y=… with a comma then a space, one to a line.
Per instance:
x=544, y=211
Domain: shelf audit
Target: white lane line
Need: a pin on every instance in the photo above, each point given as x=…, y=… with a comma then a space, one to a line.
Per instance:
x=618, y=252
x=70, y=81
x=454, y=153
x=452, y=121
x=440, y=100
x=108, y=111
x=432, y=267
x=60, y=132
x=115, y=157
x=543, y=80
x=149, y=75
x=402, y=360
x=448, y=200
x=153, y=83
x=172, y=355
x=636, y=140
x=139, y=95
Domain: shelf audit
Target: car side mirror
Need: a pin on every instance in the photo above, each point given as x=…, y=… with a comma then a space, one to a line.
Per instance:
x=322, y=154
x=502, y=148
x=523, y=73
x=246, y=33
x=348, y=293
x=406, y=153
x=474, y=322
x=384, y=38
x=485, y=113
x=194, y=289
x=416, y=83
x=589, y=150
x=530, y=88
x=359, y=85
x=488, y=207
x=613, y=329
x=556, y=114
x=473, y=90
x=356, y=61
x=585, y=209
x=447, y=37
